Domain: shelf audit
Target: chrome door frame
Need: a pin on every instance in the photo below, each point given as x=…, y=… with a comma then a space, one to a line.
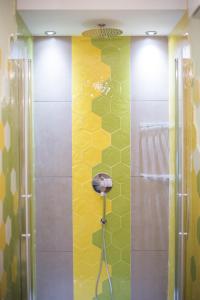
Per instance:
x=24, y=103
x=182, y=197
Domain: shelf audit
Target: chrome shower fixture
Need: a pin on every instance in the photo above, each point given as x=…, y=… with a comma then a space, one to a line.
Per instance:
x=102, y=32
x=102, y=183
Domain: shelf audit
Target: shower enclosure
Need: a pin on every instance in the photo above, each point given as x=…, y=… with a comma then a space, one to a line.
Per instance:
x=150, y=177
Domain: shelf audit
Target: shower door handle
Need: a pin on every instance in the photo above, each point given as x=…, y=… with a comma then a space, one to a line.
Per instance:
x=186, y=213
x=26, y=235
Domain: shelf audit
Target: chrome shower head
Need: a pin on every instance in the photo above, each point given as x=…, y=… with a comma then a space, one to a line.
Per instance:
x=102, y=32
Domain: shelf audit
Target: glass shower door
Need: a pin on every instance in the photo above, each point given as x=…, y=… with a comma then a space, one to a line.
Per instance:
x=22, y=69
x=183, y=146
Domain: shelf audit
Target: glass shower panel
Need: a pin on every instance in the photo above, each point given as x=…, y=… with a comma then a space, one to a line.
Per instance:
x=180, y=265
x=182, y=167
x=22, y=79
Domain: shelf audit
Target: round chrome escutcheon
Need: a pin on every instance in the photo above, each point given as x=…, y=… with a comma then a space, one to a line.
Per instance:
x=102, y=183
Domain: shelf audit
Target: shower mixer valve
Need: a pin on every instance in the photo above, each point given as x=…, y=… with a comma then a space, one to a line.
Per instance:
x=102, y=183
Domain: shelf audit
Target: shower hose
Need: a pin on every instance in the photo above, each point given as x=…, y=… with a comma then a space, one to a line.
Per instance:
x=103, y=253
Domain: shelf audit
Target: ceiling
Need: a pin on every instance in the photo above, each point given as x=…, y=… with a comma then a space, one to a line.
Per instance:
x=73, y=22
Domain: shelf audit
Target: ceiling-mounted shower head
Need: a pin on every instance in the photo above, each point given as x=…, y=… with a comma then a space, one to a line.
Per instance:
x=102, y=32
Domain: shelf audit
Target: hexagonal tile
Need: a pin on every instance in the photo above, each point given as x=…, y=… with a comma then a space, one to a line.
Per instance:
x=193, y=268
x=110, y=55
x=8, y=228
x=2, y=236
x=101, y=106
x=105, y=289
x=82, y=240
x=82, y=107
x=126, y=220
x=77, y=156
x=101, y=168
x=15, y=203
x=82, y=139
x=120, y=107
x=113, y=255
x=90, y=256
x=111, y=122
x=125, y=89
x=85, y=270
x=198, y=230
x=115, y=191
x=119, y=237
x=126, y=254
x=4, y=285
x=81, y=172
x=198, y=183
x=101, y=139
x=126, y=188
x=121, y=172
x=121, y=270
x=2, y=186
x=1, y=162
x=92, y=122
x=121, y=73
x=121, y=205
x=111, y=156
x=92, y=156
x=14, y=269
x=114, y=89
x=126, y=156
x=7, y=136
x=120, y=139
x=1, y=212
x=1, y=264
x=125, y=122
x=13, y=182
x=97, y=238
x=113, y=222
x=1, y=136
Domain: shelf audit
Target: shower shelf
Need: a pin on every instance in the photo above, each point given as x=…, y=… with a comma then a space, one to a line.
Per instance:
x=150, y=126
x=162, y=177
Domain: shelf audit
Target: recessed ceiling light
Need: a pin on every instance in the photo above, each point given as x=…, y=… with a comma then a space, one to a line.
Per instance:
x=151, y=33
x=50, y=32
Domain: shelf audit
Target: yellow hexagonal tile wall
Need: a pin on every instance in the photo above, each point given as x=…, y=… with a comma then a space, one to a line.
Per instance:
x=101, y=107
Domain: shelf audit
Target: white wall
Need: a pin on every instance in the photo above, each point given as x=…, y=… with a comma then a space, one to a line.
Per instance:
x=52, y=122
x=193, y=5
x=149, y=152
x=103, y=4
